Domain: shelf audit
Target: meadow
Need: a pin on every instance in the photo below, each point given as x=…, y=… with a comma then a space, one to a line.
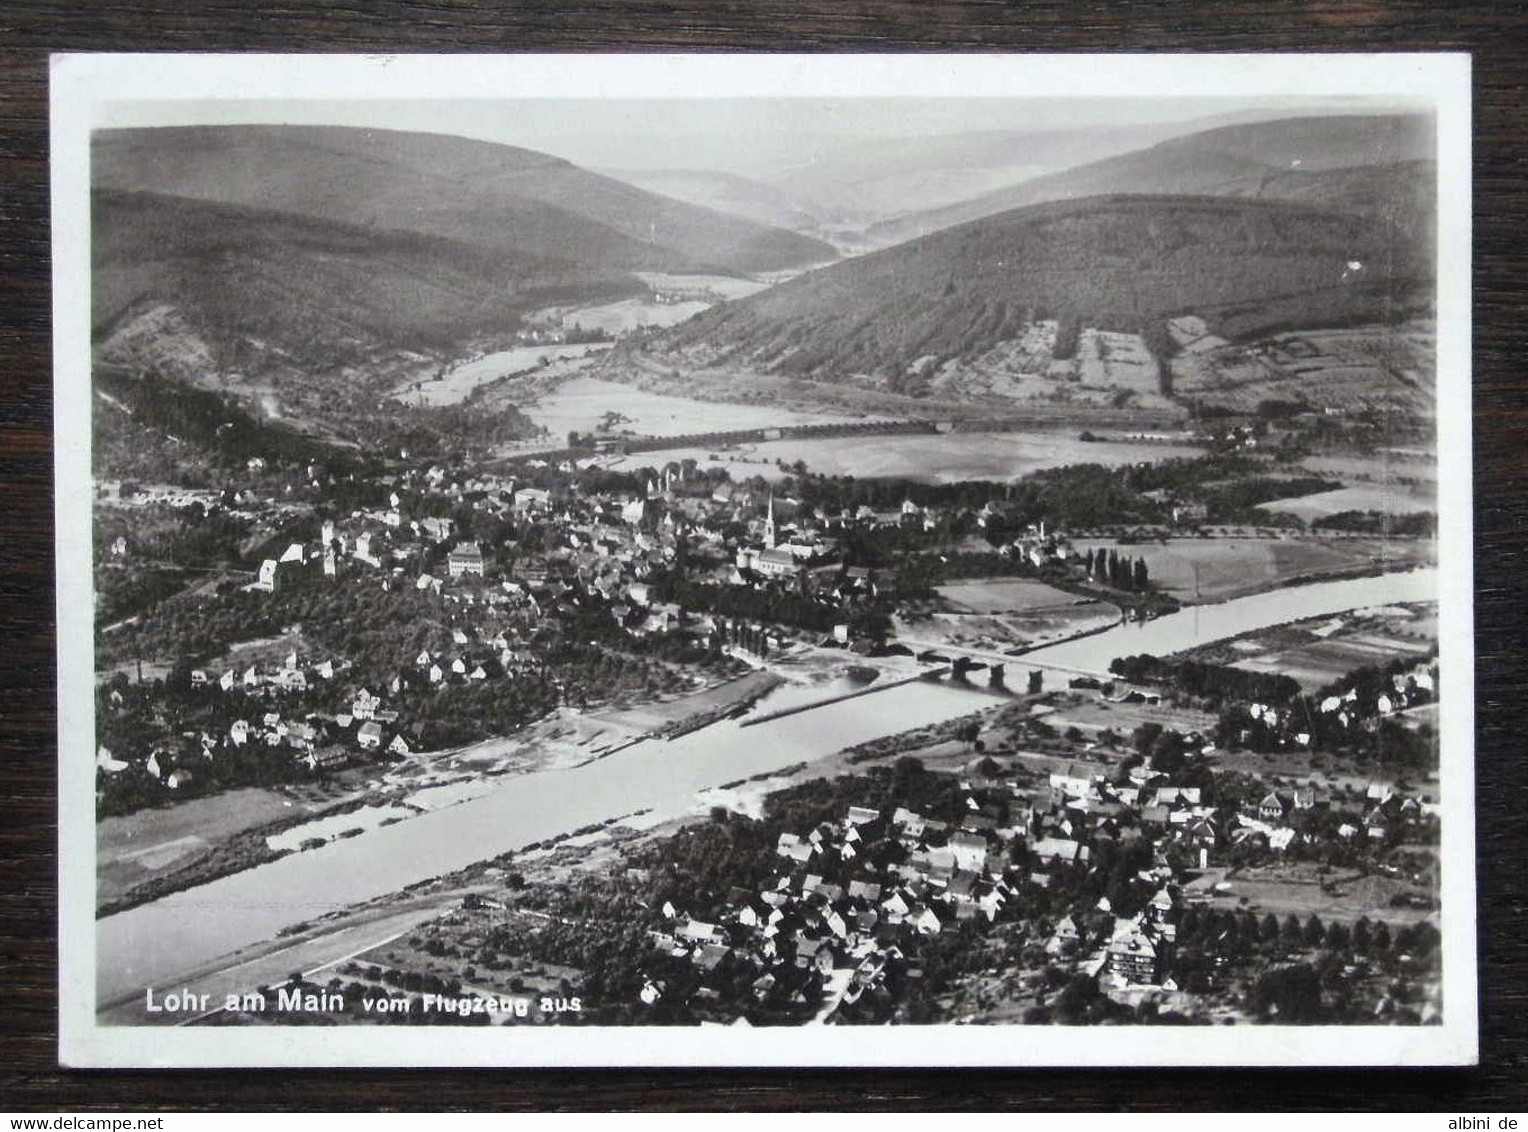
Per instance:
x=933, y=458
x=1366, y=497
x=135, y=847
x=1217, y=569
x=581, y=404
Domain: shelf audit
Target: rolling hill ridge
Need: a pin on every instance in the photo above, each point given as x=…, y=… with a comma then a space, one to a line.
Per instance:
x=499, y=197
x=728, y=193
x=1121, y=262
x=262, y=290
x=1379, y=166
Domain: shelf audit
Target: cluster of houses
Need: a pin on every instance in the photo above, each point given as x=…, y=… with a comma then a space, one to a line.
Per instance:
x=894, y=876
x=602, y=545
x=847, y=897
x=1344, y=710
x=610, y=542
x=322, y=740
x=1380, y=814
x=836, y=917
x=1412, y=688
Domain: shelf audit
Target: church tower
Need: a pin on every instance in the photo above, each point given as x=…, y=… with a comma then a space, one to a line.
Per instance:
x=769, y=523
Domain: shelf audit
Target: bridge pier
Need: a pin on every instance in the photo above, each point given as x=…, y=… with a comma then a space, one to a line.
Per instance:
x=995, y=675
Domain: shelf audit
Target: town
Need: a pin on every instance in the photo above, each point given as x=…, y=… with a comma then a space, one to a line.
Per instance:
x=666, y=618
x=1163, y=867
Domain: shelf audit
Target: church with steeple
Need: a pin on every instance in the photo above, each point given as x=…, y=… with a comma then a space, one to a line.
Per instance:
x=771, y=560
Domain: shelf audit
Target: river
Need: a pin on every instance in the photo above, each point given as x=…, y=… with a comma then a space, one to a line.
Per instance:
x=153, y=944
x=1201, y=624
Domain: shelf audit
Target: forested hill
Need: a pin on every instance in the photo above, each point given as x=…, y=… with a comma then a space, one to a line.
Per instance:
x=257, y=289
x=531, y=205
x=1123, y=262
x=1377, y=165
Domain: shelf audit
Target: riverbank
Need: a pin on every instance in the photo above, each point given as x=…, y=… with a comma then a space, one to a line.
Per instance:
x=684, y=714
x=153, y=943
x=781, y=713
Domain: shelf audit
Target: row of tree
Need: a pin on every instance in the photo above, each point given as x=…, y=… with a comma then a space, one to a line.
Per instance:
x=1123, y=573
x=1211, y=681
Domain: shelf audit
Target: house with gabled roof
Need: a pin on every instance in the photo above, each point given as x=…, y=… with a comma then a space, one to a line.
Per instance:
x=925, y=921
x=968, y=850
x=1059, y=849
x=1273, y=807
x=1133, y=956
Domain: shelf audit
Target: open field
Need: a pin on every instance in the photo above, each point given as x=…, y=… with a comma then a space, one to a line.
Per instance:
x=1374, y=367
x=1300, y=767
x=1318, y=652
x=626, y=315
x=929, y=457
x=136, y=847
x=1295, y=889
x=1091, y=714
x=726, y=286
x=1319, y=663
x=581, y=405
x=1006, y=613
x=1111, y=360
x=1415, y=470
x=1108, y=369
x=457, y=384
x=1001, y=633
x=1004, y=595
x=695, y=294
x=1392, y=501
x=1217, y=569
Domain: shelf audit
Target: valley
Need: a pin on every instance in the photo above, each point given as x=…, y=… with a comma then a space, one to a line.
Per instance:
x=511, y=579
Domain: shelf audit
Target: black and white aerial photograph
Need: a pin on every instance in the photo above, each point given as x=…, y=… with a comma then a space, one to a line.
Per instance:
x=795, y=571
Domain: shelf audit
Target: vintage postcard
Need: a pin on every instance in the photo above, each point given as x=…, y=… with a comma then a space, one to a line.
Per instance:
x=764, y=560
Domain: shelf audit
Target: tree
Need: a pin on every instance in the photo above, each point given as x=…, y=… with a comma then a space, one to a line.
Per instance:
x=1079, y=994
x=1379, y=939
x=1337, y=937
x=1140, y=579
x=1167, y=753
x=1290, y=934
x=1269, y=932
x=1362, y=936
x=1291, y=993
x=1145, y=736
x=1315, y=931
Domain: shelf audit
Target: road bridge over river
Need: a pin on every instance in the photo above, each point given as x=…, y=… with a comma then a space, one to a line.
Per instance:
x=1011, y=662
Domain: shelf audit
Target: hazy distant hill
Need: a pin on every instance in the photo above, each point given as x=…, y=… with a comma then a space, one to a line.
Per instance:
x=259, y=288
x=726, y=193
x=855, y=182
x=1120, y=262
x=1379, y=165
x=538, y=207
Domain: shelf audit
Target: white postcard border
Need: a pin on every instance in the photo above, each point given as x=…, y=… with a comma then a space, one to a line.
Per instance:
x=83, y=84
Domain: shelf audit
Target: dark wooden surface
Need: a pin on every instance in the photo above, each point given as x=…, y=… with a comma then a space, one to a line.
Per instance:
x=29, y=1075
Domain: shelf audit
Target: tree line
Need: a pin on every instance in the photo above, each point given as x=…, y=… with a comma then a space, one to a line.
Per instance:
x=1123, y=573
